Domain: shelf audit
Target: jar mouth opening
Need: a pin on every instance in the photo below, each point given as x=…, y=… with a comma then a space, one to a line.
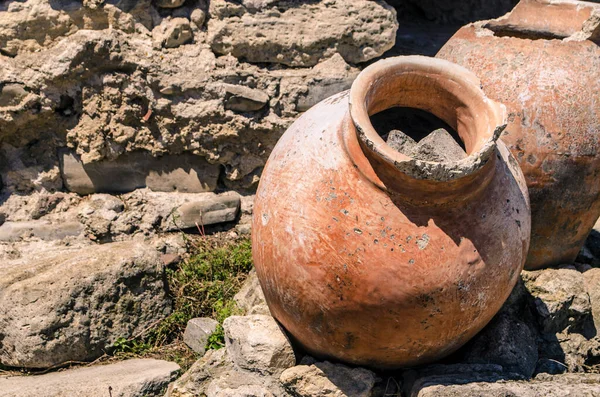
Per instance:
x=446, y=90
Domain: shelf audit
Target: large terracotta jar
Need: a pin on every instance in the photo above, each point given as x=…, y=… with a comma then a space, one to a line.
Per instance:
x=374, y=258
x=541, y=61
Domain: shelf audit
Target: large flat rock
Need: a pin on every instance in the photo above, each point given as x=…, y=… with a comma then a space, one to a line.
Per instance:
x=185, y=173
x=71, y=303
x=302, y=33
x=131, y=378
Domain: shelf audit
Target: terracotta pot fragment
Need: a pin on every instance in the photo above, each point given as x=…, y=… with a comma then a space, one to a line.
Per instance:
x=542, y=61
x=374, y=258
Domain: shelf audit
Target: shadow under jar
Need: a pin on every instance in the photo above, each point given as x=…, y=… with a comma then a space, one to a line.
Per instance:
x=368, y=256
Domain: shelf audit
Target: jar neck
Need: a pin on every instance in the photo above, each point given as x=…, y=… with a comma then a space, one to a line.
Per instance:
x=444, y=89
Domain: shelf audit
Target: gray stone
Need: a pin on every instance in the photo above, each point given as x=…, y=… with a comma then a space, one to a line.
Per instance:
x=71, y=303
x=2, y=218
x=506, y=341
x=206, y=211
x=322, y=88
x=250, y=297
x=560, y=298
x=197, y=332
x=169, y=3
x=11, y=94
x=244, y=99
x=302, y=33
x=131, y=378
x=214, y=375
x=591, y=280
x=401, y=142
x=183, y=173
x=546, y=385
x=324, y=379
x=198, y=17
x=41, y=229
x=172, y=33
x=438, y=146
x=257, y=343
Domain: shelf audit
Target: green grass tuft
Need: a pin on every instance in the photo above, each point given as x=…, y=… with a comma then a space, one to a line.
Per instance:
x=202, y=286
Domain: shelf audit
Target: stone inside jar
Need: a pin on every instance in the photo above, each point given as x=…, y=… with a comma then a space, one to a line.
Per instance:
x=419, y=134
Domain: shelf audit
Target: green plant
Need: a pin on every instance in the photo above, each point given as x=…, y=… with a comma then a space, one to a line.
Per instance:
x=129, y=346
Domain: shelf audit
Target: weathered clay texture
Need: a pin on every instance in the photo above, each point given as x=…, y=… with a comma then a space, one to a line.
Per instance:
x=551, y=88
x=364, y=236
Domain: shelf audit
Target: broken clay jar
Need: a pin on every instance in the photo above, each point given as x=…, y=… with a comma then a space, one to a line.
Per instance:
x=371, y=257
x=541, y=61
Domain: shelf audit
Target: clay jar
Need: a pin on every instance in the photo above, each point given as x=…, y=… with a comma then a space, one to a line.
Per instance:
x=371, y=257
x=541, y=61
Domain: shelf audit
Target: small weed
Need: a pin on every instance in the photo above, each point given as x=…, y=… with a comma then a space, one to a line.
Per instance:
x=131, y=346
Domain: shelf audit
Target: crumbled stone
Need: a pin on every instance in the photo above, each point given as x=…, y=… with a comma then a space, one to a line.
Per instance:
x=244, y=99
x=560, y=298
x=207, y=211
x=324, y=379
x=257, y=343
x=250, y=297
x=172, y=33
x=401, y=142
x=197, y=332
x=439, y=146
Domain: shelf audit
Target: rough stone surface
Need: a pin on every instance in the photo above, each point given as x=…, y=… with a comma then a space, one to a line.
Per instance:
x=71, y=303
x=182, y=173
x=250, y=297
x=401, y=142
x=172, y=33
x=560, y=298
x=506, y=341
x=211, y=210
x=551, y=386
x=257, y=343
x=324, y=379
x=363, y=30
x=438, y=146
x=591, y=280
x=197, y=332
x=45, y=230
x=95, y=81
x=131, y=378
x=215, y=375
x=244, y=99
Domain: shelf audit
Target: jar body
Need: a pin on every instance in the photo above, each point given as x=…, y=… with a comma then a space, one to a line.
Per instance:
x=356, y=273
x=551, y=88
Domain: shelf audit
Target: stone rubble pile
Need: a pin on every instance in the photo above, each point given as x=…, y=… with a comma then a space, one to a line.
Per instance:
x=542, y=342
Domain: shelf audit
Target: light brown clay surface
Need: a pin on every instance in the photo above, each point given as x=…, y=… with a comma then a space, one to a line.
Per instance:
x=371, y=257
x=551, y=89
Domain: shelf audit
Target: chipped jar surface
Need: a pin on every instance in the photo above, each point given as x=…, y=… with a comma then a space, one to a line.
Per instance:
x=371, y=257
x=542, y=61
